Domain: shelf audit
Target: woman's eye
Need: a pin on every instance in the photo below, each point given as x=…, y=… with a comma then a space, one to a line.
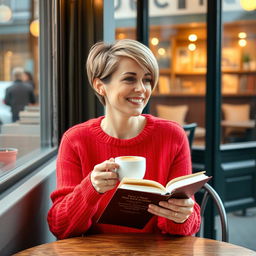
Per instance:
x=147, y=81
x=130, y=79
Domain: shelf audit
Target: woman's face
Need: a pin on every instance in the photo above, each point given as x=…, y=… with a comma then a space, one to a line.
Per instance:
x=129, y=89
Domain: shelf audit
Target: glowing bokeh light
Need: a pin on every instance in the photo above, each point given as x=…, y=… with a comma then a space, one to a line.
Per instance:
x=191, y=47
x=192, y=37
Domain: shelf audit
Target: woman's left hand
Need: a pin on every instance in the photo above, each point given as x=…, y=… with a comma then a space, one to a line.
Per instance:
x=177, y=210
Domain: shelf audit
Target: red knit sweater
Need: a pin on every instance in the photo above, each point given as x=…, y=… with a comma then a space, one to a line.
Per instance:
x=77, y=205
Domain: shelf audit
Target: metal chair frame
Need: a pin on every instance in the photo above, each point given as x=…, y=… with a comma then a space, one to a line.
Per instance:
x=209, y=191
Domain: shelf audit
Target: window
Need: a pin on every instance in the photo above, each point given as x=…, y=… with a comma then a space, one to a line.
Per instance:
x=238, y=72
x=178, y=40
x=24, y=138
x=125, y=19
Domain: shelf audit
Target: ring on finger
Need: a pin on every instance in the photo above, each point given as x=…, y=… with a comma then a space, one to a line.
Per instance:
x=106, y=182
x=175, y=214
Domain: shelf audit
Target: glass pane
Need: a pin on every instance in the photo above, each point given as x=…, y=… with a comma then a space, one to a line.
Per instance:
x=125, y=19
x=178, y=40
x=19, y=82
x=238, y=71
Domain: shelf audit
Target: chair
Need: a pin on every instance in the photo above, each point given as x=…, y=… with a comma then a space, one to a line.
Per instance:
x=209, y=191
x=174, y=113
x=190, y=130
x=178, y=114
x=235, y=113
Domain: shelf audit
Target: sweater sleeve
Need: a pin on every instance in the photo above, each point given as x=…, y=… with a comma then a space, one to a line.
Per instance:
x=181, y=166
x=75, y=201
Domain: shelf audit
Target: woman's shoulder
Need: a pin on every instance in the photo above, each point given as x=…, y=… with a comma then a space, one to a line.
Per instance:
x=83, y=128
x=163, y=124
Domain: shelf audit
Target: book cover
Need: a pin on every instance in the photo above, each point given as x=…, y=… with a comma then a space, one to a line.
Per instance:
x=129, y=207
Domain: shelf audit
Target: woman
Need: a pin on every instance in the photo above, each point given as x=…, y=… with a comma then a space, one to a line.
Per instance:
x=123, y=76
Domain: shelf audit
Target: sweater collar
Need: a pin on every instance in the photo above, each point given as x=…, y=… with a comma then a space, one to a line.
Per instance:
x=105, y=138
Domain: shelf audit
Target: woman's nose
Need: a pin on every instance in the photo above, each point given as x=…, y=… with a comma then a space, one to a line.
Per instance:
x=140, y=87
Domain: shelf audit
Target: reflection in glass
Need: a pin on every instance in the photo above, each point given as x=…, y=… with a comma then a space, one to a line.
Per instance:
x=181, y=53
x=125, y=19
x=238, y=72
x=19, y=79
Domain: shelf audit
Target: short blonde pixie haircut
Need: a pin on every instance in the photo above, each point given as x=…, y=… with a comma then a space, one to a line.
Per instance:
x=103, y=61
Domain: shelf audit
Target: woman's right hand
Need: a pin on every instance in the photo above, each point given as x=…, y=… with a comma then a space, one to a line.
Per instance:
x=103, y=176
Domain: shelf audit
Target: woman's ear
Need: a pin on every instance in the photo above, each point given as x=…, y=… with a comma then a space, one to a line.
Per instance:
x=98, y=86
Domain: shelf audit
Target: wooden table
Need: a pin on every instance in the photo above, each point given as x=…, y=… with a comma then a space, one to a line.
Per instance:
x=247, y=126
x=137, y=244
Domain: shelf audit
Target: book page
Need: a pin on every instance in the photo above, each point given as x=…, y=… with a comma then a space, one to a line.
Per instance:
x=184, y=177
x=142, y=185
x=184, y=182
x=142, y=188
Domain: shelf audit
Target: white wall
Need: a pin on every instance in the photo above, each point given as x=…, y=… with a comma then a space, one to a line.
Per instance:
x=23, y=213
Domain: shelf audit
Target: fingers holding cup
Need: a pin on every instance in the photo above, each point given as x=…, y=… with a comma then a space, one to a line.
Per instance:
x=103, y=176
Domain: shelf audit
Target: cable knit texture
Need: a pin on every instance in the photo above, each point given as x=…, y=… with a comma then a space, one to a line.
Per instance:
x=77, y=205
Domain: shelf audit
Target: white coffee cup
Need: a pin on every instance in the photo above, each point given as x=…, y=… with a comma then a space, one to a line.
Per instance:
x=131, y=166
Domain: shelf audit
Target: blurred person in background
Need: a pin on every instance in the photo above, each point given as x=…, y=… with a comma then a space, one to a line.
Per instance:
x=19, y=94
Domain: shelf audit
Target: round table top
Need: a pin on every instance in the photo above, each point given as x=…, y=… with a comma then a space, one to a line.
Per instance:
x=137, y=244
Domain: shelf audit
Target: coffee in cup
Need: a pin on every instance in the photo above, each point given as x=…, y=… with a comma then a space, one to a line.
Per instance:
x=131, y=167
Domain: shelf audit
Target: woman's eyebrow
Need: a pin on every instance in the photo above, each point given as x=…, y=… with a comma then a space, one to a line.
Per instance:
x=134, y=73
x=129, y=73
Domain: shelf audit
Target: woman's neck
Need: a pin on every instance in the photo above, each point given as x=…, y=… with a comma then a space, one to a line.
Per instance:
x=123, y=128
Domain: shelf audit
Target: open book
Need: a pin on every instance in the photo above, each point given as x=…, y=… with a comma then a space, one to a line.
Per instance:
x=129, y=204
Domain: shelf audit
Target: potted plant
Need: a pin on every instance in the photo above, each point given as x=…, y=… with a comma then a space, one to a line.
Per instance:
x=246, y=61
x=8, y=158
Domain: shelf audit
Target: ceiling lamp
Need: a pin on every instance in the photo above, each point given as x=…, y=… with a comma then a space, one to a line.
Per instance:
x=192, y=37
x=5, y=13
x=155, y=41
x=242, y=35
x=34, y=28
x=248, y=5
x=242, y=42
x=121, y=36
x=161, y=51
x=191, y=47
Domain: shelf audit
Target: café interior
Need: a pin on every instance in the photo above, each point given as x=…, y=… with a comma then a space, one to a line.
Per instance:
x=207, y=59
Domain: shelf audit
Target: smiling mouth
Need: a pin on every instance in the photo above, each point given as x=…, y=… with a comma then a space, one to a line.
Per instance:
x=137, y=101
